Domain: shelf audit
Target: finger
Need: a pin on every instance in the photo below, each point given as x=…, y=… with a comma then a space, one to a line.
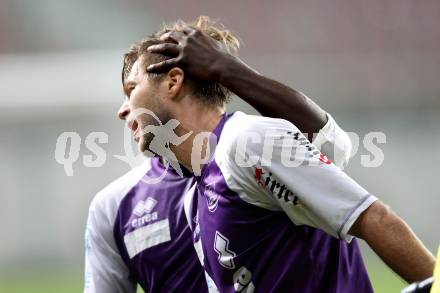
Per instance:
x=163, y=66
x=167, y=49
x=188, y=30
x=173, y=36
x=166, y=37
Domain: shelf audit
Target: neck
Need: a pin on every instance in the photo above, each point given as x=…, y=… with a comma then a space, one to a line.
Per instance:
x=195, y=117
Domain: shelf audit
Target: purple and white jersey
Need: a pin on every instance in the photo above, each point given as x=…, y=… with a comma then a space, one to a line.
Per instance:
x=137, y=232
x=271, y=213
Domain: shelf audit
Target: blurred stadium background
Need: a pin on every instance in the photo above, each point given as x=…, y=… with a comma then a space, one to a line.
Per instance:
x=375, y=65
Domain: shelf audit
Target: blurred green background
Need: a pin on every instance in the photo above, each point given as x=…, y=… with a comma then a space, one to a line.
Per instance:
x=374, y=65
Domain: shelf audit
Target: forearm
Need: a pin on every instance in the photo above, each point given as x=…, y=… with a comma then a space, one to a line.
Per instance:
x=396, y=244
x=200, y=56
x=272, y=98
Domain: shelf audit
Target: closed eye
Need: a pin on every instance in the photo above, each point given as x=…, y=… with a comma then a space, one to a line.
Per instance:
x=128, y=88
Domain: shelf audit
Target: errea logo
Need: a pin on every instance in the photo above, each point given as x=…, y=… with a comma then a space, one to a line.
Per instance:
x=143, y=211
x=144, y=206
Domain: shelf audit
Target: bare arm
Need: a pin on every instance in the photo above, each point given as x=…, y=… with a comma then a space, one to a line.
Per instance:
x=201, y=57
x=394, y=241
x=271, y=98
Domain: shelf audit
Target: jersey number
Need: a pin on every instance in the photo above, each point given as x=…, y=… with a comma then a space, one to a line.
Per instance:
x=225, y=256
x=242, y=278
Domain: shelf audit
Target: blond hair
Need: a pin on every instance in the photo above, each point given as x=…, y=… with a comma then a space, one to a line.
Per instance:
x=212, y=28
x=210, y=92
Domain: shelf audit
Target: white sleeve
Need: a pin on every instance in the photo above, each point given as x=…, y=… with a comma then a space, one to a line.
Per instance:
x=293, y=176
x=334, y=142
x=105, y=271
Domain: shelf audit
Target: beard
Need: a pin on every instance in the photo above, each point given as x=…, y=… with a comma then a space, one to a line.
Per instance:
x=143, y=144
x=151, y=119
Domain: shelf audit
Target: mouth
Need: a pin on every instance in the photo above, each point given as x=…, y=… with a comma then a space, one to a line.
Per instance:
x=133, y=125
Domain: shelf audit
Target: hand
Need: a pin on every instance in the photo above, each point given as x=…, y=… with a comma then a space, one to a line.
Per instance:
x=195, y=52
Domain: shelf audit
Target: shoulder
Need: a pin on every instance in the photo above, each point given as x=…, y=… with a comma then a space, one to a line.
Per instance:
x=240, y=123
x=106, y=201
x=241, y=127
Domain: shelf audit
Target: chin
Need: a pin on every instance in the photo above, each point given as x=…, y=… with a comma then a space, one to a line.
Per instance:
x=143, y=144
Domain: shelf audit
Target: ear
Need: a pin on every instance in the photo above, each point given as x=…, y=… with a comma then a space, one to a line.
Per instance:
x=175, y=79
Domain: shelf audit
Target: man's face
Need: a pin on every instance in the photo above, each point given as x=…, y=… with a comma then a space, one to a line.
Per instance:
x=142, y=96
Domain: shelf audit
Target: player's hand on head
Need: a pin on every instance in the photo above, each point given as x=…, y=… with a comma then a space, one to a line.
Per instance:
x=195, y=52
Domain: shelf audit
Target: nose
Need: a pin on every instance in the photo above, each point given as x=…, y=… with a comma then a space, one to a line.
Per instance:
x=124, y=111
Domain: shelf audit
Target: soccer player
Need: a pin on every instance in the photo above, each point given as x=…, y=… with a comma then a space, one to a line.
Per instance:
x=137, y=231
x=270, y=213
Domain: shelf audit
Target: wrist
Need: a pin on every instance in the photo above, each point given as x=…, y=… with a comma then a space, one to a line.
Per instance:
x=227, y=68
